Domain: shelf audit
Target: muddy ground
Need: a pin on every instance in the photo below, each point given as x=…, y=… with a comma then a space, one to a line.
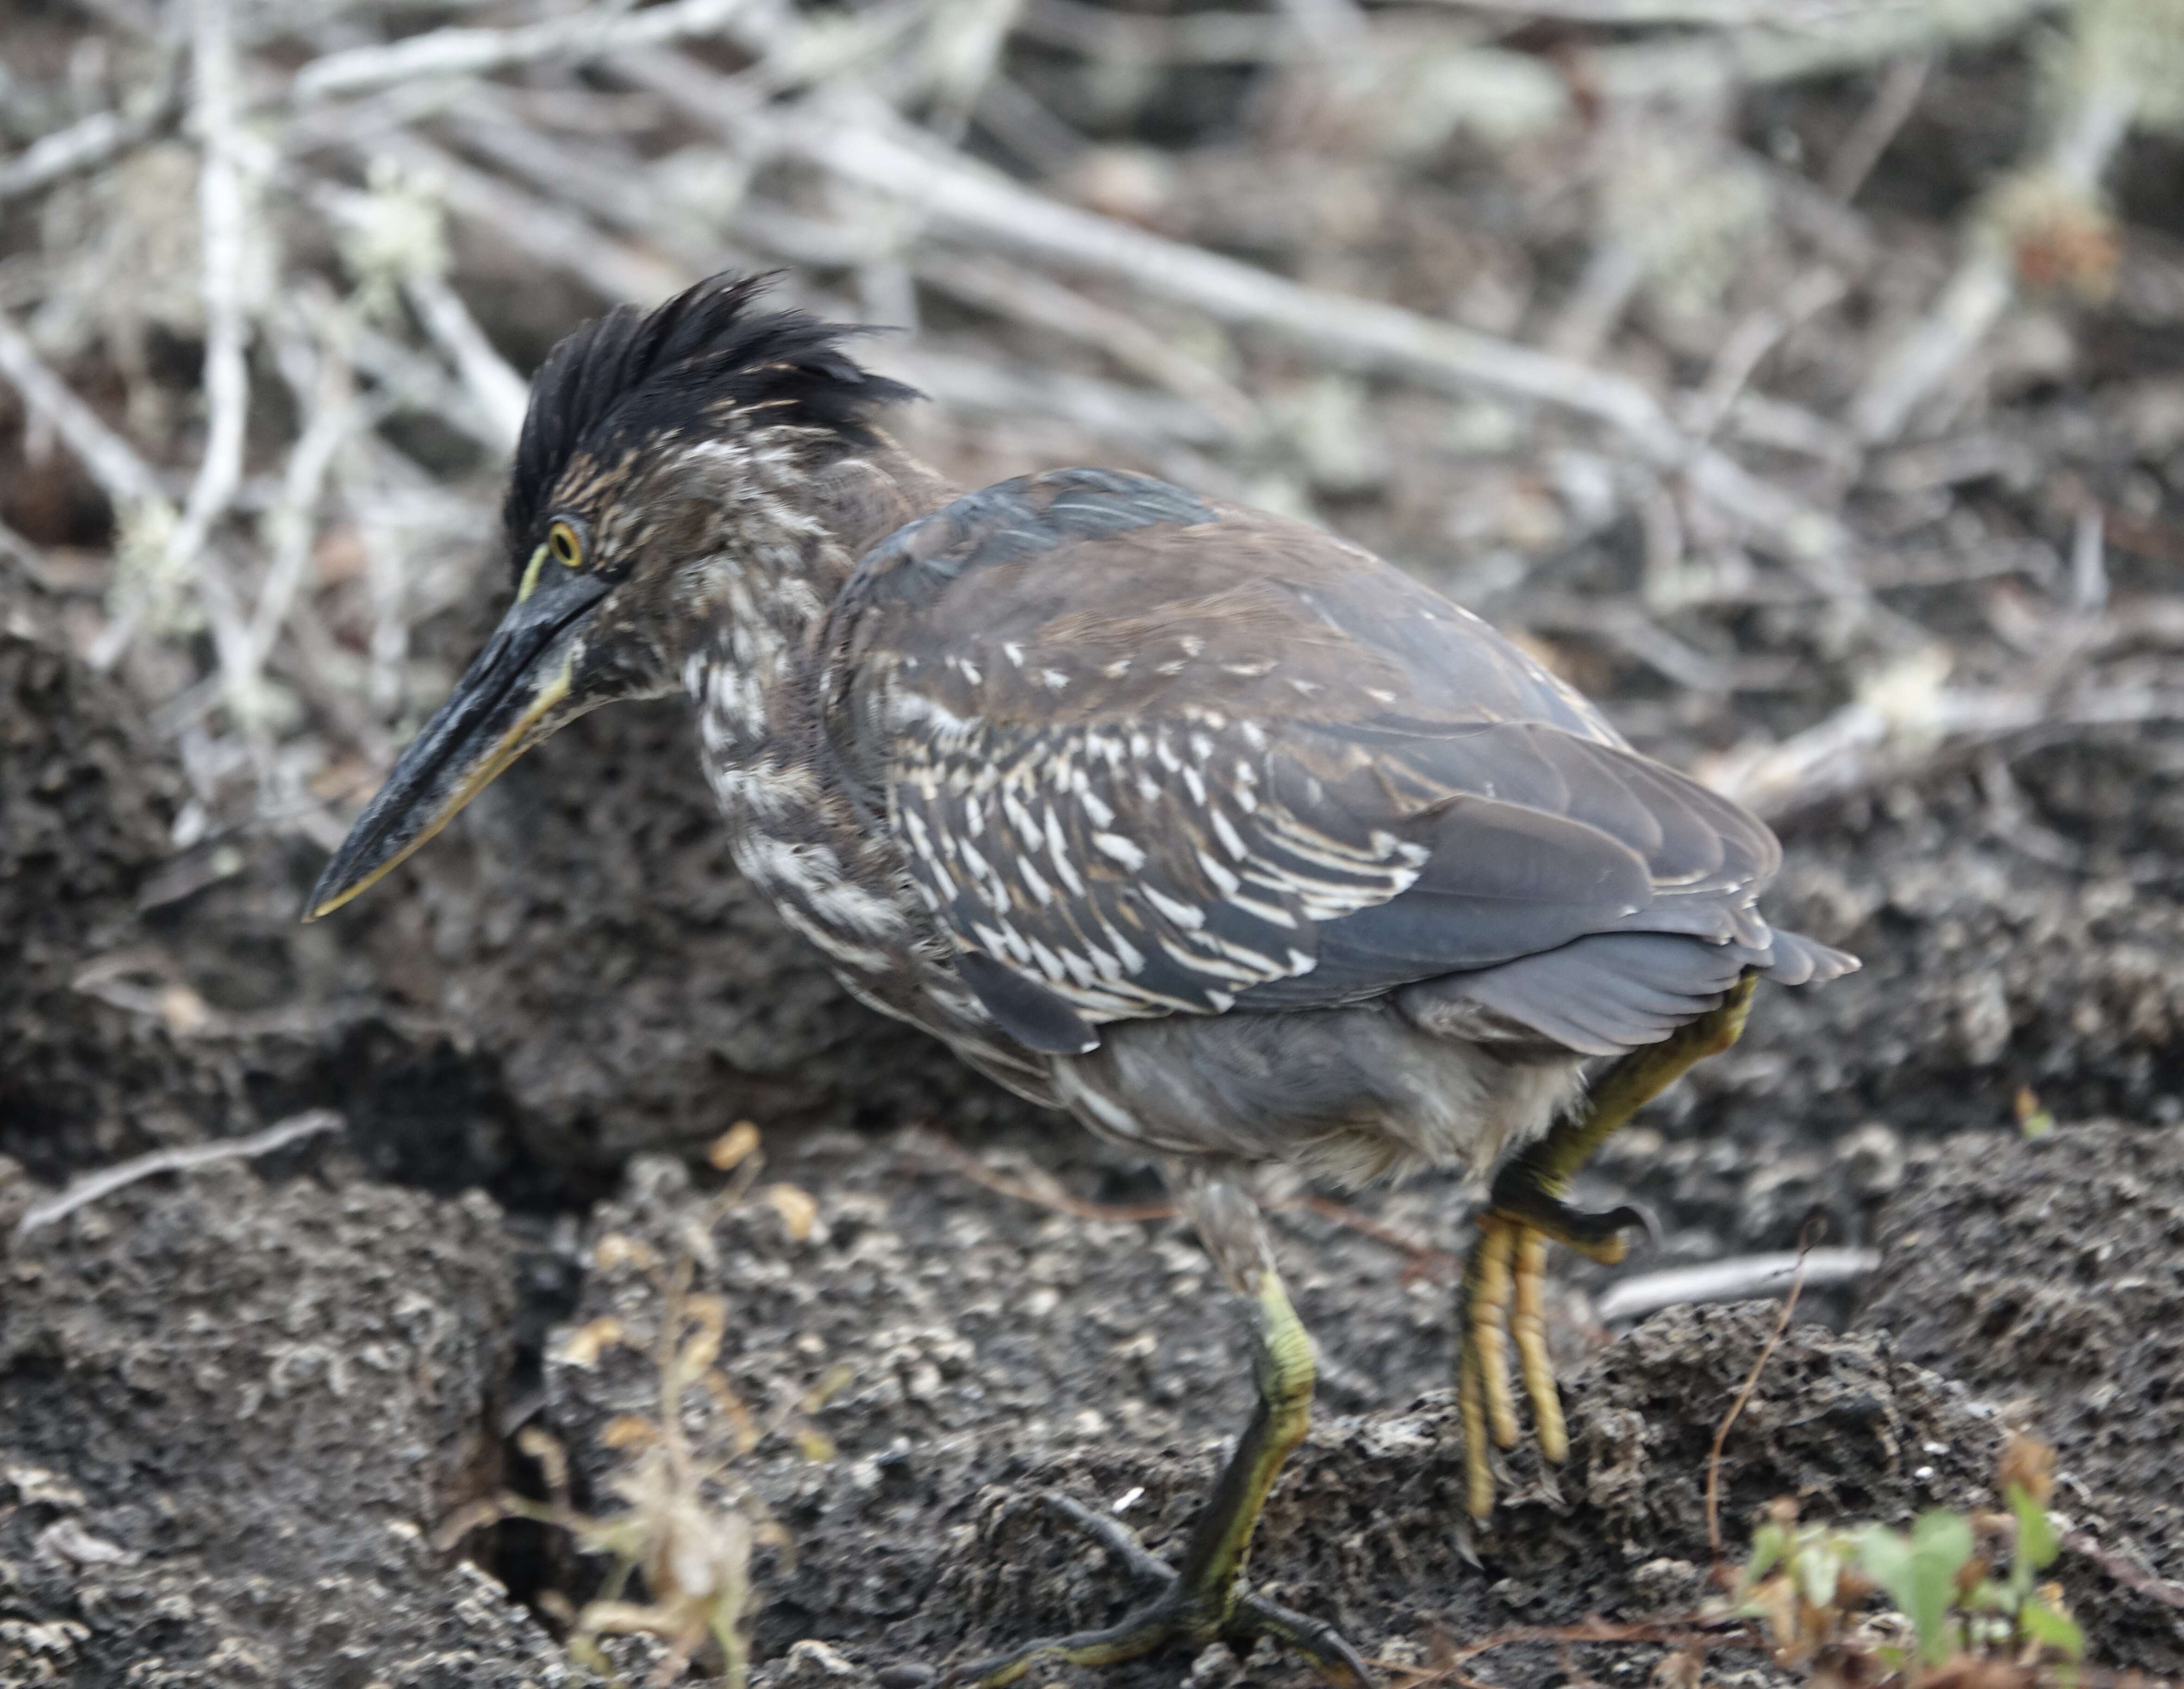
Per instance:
x=238, y=1404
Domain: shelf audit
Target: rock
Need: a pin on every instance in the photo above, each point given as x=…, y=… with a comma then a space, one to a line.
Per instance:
x=2048, y=1269
x=231, y=1417
x=811, y=1665
x=85, y=799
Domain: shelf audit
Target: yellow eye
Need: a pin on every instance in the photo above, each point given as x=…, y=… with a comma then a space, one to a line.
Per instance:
x=564, y=545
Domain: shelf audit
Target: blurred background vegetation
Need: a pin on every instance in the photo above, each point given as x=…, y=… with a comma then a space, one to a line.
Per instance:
x=1803, y=373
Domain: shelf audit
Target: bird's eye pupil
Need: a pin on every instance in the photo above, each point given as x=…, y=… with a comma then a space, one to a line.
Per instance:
x=561, y=540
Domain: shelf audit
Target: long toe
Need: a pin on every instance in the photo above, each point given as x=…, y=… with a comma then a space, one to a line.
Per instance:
x=1484, y=1400
x=1320, y=1643
x=1502, y=1306
x=1175, y=1617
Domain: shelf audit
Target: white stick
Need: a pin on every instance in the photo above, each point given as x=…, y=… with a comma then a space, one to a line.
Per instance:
x=549, y=233
x=92, y=1186
x=1861, y=745
x=82, y=146
x=1684, y=67
x=1788, y=15
x=501, y=395
x=1030, y=298
x=1748, y=1275
x=226, y=375
x=110, y=460
x=479, y=52
x=329, y=414
x=1853, y=160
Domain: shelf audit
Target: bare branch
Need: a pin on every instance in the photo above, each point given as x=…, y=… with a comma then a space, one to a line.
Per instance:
x=226, y=376
x=1786, y=15
x=1864, y=745
x=1229, y=37
x=82, y=146
x=479, y=51
x=1125, y=417
x=327, y=400
x=1986, y=282
x=1734, y=1279
x=502, y=396
x=90, y=1189
x=1029, y=298
x=110, y=460
x=612, y=269
x=1860, y=150
x=870, y=147
x=1688, y=66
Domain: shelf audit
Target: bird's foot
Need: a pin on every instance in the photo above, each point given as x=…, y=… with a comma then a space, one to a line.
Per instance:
x=1504, y=1287
x=1505, y=1277
x=1176, y=1616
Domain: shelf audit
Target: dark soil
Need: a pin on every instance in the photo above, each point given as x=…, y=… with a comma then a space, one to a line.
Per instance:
x=87, y=802
x=996, y=1349
x=2052, y=1272
x=233, y=1415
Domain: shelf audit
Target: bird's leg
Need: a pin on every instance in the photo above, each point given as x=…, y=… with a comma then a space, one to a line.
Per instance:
x=1203, y=1599
x=1505, y=1275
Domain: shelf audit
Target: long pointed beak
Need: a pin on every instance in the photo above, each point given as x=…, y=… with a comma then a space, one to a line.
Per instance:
x=516, y=694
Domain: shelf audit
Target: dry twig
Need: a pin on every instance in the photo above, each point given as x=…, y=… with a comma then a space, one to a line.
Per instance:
x=1805, y=1244
x=2068, y=172
x=455, y=52
x=92, y=1187
x=1735, y=1279
x=852, y=139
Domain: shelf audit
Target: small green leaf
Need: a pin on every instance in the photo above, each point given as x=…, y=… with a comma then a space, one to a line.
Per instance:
x=2040, y=1623
x=1769, y=1543
x=2037, y=1544
x=1885, y=1555
x=1921, y=1572
x=1944, y=1537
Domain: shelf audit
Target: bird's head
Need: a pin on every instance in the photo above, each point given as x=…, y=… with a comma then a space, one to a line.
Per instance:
x=662, y=450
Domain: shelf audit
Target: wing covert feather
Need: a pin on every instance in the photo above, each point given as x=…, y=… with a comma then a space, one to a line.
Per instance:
x=1151, y=755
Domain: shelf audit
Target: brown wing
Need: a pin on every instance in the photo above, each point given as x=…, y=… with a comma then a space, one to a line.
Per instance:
x=1149, y=754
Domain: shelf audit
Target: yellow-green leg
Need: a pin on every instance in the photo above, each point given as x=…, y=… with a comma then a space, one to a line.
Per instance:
x=1203, y=1599
x=1505, y=1275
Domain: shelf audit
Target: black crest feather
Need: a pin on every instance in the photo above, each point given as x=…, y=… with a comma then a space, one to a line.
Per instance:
x=633, y=372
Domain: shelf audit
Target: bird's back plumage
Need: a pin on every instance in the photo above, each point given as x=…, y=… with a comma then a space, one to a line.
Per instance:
x=1148, y=755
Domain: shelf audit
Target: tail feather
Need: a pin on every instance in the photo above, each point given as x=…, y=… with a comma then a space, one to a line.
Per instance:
x=1614, y=991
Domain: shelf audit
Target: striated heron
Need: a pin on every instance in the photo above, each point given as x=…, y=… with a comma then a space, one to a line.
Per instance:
x=1216, y=831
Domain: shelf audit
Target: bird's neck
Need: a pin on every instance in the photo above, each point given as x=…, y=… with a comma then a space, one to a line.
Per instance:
x=860, y=499
x=802, y=525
